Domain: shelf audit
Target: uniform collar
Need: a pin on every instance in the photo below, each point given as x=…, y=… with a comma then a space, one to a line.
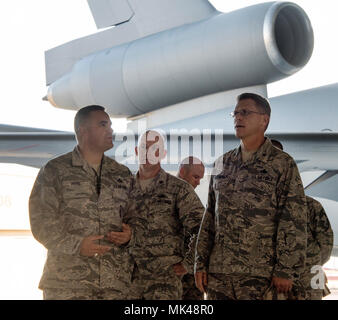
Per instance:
x=79, y=161
x=77, y=158
x=159, y=180
x=262, y=153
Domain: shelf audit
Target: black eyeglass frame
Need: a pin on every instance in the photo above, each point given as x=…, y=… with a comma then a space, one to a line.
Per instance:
x=244, y=113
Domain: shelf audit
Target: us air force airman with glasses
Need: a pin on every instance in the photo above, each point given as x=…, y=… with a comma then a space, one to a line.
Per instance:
x=243, y=113
x=253, y=232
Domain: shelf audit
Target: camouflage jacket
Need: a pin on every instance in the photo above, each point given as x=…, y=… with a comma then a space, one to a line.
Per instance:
x=319, y=236
x=166, y=216
x=65, y=208
x=255, y=220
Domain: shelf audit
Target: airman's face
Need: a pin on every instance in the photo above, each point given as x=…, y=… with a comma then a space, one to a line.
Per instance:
x=193, y=175
x=150, y=150
x=253, y=123
x=97, y=131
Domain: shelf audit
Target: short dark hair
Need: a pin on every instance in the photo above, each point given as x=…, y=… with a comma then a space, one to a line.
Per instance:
x=260, y=101
x=83, y=114
x=277, y=144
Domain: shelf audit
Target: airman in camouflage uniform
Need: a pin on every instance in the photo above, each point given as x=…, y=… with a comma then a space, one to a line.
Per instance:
x=167, y=214
x=319, y=247
x=191, y=170
x=253, y=231
x=72, y=207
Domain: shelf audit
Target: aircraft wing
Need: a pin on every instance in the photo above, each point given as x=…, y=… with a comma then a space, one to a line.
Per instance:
x=312, y=151
x=10, y=128
x=325, y=186
x=33, y=147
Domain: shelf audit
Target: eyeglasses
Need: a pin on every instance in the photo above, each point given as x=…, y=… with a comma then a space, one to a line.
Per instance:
x=243, y=113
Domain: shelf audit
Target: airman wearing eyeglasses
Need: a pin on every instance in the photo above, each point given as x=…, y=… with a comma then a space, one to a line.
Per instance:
x=253, y=232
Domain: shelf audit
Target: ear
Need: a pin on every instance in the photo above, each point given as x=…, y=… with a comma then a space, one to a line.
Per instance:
x=266, y=120
x=182, y=172
x=81, y=133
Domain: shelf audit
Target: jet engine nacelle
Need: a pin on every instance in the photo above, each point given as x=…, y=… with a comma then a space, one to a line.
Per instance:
x=251, y=46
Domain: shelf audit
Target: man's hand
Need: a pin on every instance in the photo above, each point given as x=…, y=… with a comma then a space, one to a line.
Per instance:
x=120, y=237
x=179, y=269
x=89, y=248
x=201, y=281
x=282, y=285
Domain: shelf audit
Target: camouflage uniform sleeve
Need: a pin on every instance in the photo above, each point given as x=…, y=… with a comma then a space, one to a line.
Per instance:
x=130, y=209
x=321, y=229
x=129, y=216
x=206, y=233
x=190, y=211
x=46, y=222
x=291, y=231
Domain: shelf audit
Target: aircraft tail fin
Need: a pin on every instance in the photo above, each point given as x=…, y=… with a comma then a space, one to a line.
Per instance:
x=107, y=13
x=149, y=14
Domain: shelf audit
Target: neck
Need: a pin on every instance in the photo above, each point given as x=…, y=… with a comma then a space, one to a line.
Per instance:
x=148, y=172
x=92, y=157
x=252, y=143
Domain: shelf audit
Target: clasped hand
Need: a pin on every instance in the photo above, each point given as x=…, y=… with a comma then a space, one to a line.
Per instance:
x=90, y=248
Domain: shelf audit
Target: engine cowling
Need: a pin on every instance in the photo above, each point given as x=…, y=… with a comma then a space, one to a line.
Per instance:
x=251, y=46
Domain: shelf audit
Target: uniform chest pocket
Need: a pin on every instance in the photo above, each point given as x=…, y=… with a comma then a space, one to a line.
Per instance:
x=119, y=193
x=161, y=203
x=155, y=237
x=223, y=185
x=77, y=189
x=161, y=213
x=263, y=184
